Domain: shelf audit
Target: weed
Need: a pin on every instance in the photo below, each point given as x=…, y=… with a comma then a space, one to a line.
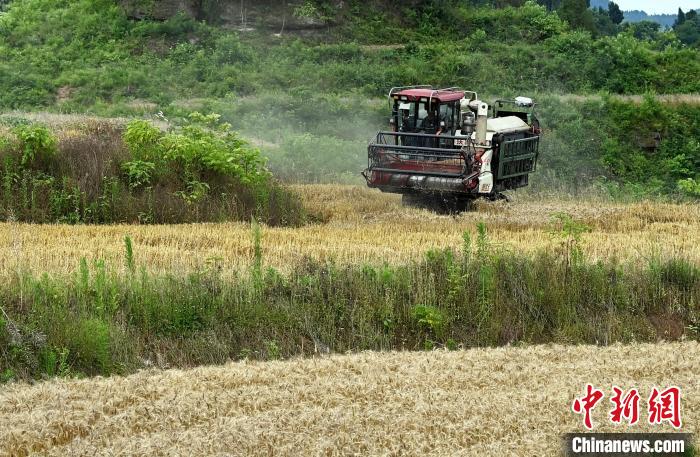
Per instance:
x=37, y=143
x=272, y=350
x=429, y=318
x=129, y=255
x=569, y=231
x=498, y=297
x=7, y=375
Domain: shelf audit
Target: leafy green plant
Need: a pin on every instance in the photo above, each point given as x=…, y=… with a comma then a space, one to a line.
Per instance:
x=91, y=348
x=129, y=255
x=466, y=247
x=64, y=369
x=37, y=143
x=203, y=145
x=485, y=272
x=690, y=187
x=569, y=230
x=7, y=375
x=429, y=318
x=273, y=350
x=306, y=10
x=196, y=191
x=54, y=362
x=142, y=139
x=257, y=255
x=138, y=173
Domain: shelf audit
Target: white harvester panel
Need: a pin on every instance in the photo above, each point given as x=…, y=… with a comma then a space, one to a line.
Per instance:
x=506, y=124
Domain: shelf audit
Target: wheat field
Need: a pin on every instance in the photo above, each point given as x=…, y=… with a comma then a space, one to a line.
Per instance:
x=504, y=401
x=362, y=226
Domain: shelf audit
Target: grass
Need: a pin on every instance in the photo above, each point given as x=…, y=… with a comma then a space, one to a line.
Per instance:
x=490, y=402
x=103, y=318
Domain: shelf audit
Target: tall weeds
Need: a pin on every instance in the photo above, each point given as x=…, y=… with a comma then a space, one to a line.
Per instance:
x=104, y=322
x=97, y=172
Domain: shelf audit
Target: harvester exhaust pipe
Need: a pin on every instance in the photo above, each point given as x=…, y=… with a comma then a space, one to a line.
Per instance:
x=482, y=112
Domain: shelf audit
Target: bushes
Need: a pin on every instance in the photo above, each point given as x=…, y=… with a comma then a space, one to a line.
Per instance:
x=672, y=165
x=110, y=59
x=138, y=173
x=37, y=143
x=199, y=171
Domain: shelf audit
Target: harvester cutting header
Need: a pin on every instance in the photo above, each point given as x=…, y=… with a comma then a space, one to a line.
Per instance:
x=446, y=147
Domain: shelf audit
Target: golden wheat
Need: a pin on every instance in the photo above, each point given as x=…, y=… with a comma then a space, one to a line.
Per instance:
x=505, y=401
x=363, y=226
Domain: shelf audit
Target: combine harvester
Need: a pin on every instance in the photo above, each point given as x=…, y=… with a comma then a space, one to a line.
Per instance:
x=446, y=147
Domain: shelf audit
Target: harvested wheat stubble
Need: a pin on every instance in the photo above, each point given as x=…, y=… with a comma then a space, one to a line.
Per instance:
x=503, y=401
x=363, y=226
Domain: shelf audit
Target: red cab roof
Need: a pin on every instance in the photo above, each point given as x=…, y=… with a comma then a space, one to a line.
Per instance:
x=440, y=95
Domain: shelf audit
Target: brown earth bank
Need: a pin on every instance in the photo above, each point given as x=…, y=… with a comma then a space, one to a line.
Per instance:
x=503, y=401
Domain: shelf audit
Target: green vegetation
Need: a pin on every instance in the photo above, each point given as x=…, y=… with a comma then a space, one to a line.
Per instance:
x=87, y=54
x=671, y=140
x=311, y=103
x=96, y=173
x=624, y=149
x=687, y=27
x=104, y=320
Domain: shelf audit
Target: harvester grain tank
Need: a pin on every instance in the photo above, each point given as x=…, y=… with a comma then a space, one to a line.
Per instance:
x=446, y=147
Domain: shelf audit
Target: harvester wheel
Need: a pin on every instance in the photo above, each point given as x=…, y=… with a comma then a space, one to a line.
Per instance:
x=453, y=205
x=499, y=196
x=414, y=201
x=438, y=203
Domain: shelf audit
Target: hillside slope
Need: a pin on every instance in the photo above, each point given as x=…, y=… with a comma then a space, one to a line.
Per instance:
x=508, y=401
x=88, y=54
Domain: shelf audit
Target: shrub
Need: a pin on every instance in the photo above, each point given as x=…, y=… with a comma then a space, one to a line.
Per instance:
x=429, y=318
x=90, y=347
x=142, y=139
x=37, y=143
x=199, y=170
x=690, y=187
x=203, y=145
x=138, y=172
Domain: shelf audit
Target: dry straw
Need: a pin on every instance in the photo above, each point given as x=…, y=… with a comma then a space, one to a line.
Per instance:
x=363, y=226
x=505, y=401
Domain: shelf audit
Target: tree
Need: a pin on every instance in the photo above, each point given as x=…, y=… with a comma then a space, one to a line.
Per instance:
x=551, y=5
x=615, y=13
x=577, y=14
x=681, y=18
x=645, y=30
x=689, y=31
x=603, y=24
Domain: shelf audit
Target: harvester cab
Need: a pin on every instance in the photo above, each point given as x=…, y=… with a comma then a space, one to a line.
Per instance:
x=446, y=147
